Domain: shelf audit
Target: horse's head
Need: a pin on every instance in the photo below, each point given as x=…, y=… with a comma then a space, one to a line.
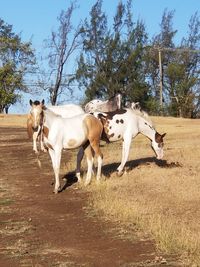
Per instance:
x=93, y=105
x=36, y=114
x=158, y=144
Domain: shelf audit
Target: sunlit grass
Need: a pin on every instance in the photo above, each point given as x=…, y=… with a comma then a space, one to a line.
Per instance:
x=161, y=199
x=13, y=120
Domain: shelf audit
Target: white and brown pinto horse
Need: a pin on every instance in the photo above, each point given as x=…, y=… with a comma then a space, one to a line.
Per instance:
x=125, y=124
x=34, y=123
x=112, y=104
x=83, y=130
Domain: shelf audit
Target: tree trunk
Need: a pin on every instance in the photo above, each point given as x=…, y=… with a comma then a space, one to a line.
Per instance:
x=180, y=112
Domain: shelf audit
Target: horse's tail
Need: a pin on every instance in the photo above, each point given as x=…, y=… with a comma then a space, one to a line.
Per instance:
x=104, y=135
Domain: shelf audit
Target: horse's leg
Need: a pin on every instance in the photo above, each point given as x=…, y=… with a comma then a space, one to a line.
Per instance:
x=35, y=135
x=94, y=134
x=125, y=153
x=96, y=147
x=42, y=142
x=78, y=163
x=55, y=158
x=90, y=160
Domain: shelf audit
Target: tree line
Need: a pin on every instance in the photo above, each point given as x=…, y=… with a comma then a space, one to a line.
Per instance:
x=111, y=57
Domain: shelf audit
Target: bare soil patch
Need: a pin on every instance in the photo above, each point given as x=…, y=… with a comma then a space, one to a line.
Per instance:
x=38, y=228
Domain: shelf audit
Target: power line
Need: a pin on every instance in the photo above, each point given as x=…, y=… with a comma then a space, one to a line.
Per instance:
x=175, y=49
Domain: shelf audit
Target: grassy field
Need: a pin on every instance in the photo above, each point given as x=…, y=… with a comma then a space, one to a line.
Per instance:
x=161, y=199
x=14, y=120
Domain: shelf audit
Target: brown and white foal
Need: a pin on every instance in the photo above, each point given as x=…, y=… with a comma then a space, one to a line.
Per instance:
x=83, y=130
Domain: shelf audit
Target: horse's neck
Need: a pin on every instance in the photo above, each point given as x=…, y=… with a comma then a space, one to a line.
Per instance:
x=146, y=128
x=108, y=106
x=49, y=117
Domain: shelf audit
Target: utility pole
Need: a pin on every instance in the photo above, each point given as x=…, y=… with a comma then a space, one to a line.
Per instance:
x=161, y=78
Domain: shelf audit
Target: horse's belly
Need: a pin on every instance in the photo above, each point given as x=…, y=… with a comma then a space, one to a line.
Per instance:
x=73, y=142
x=114, y=135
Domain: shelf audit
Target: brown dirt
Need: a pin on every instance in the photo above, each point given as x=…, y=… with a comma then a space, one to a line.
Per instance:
x=39, y=228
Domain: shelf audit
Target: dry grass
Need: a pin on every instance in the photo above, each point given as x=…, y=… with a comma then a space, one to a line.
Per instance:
x=161, y=198
x=13, y=120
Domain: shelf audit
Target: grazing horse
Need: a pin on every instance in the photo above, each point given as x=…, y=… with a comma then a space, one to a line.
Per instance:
x=124, y=125
x=111, y=104
x=83, y=130
x=34, y=125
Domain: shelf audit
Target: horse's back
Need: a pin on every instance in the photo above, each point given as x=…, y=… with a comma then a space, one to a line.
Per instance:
x=67, y=111
x=118, y=124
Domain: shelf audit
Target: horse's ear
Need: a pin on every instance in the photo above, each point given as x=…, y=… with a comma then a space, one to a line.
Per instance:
x=43, y=102
x=163, y=135
x=119, y=100
x=31, y=102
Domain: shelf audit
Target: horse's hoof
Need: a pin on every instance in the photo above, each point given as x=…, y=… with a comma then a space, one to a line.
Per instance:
x=56, y=191
x=120, y=173
x=78, y=176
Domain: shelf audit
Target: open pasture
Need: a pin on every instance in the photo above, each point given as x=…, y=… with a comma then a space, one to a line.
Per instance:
x=160, y=197
x=153, y=207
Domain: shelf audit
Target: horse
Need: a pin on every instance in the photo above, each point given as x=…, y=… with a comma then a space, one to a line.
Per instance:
x=83, y=130
x=125, y=124
x=34, y=126
x=113, y=103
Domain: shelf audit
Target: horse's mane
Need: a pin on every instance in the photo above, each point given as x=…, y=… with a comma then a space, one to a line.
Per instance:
x=136, y=108
x=51, y=112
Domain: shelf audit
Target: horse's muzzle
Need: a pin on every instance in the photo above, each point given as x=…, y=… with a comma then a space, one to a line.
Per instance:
x=35, y=129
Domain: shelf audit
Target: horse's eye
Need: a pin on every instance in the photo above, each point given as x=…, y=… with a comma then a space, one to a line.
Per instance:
x=161, y=145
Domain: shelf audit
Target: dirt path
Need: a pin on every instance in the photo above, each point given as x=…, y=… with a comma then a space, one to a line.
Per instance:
x=38, y=228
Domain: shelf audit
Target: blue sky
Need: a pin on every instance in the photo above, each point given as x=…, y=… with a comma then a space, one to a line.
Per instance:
x=37, y=18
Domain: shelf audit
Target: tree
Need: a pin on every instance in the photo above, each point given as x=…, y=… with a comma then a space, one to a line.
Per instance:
x=62, y=44
x=158, y=43
x=111, y=60
x=182, y=73
x=16, y=58
x=180, y=68
x=90, y=73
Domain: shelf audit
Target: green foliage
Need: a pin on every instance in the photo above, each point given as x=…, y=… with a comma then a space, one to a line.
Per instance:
x=116, y=58
x=122, y=59
x=9, y=79
x=112, y=59
x=15, y=59
x=180, y=68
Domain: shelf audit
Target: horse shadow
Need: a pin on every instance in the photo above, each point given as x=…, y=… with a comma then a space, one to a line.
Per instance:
x=69, y=179
x=108, y=169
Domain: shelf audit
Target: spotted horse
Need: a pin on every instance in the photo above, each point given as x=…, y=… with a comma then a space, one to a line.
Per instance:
x=125, y=124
